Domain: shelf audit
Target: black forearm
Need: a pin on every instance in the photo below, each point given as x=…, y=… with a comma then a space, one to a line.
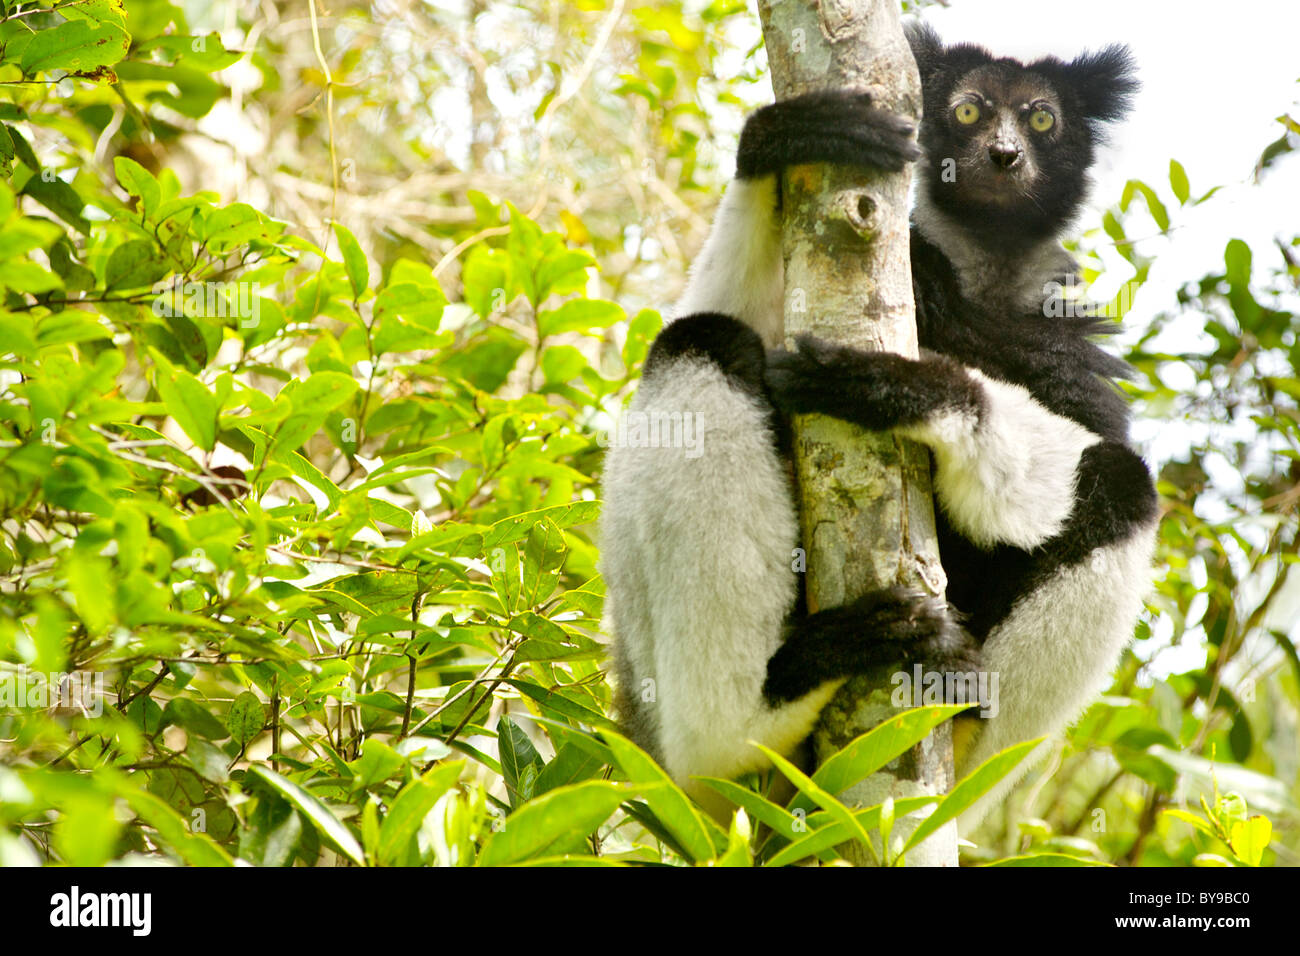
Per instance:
x=830, y=126
x=876, y=390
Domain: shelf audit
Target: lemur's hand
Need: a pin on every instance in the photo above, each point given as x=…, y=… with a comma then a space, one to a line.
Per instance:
x=829, y=126
x=812, y=378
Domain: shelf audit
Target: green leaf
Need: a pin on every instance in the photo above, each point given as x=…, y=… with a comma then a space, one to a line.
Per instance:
x=1250, y=839
x=1148, y=767
x=402, y=822
x=518, y=526
x=486, y=281
x=246, y=718
x=208, y=760
x=778, y=818
x=562, y=271
x=138, y=181
x=196, y=849
x=59, y=198
x=235, y=225
x=520, y=761
x=1178, y=181
x=826, y=801
x=27, y=277
x=562, y=364
x=572, y=764
x=673, y=808
x=354, y=260
x=7, y=156
x=308, y=403
x=821, y=838
x=273, y=830
x=75, y=46
x=377, y=763
x=579, y=315
x=1154, y=205
x=137, y=264
x=97, y=11
x=555, y=702
x=202, y=52
x=645, y=325
x=506, y=580
x=554, y=823
x=311, y=475
x=195, y=718
x=868, y=753
x=1192, y=819
x=189, y=401
x=86, y=831
x=544, y=555
x=334, y=832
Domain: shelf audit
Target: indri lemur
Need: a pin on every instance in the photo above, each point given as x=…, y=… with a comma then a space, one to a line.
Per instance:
x=1046, y=515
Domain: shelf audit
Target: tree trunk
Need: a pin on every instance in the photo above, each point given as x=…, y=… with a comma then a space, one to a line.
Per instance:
x=865, y=501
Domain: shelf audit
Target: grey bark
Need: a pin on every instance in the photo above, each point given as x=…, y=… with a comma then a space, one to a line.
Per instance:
x=865, y=499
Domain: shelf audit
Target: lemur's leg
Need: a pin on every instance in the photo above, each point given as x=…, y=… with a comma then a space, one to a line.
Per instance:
x=739, y=271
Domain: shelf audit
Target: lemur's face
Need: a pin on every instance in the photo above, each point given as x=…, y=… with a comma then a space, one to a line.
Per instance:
x=1008, y=144
x=1000, y=127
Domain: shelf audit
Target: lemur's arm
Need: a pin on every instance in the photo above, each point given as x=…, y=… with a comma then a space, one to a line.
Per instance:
x=740, y=272
x=1009, y=471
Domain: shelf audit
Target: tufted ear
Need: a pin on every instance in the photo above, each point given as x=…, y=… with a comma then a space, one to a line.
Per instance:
x=926, y=47
x=1104, y=80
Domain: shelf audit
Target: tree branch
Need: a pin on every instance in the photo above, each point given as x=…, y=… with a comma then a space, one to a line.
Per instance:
x=865, y=501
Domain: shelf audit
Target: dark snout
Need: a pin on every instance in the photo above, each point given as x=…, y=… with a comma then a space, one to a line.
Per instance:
x=1006, y=154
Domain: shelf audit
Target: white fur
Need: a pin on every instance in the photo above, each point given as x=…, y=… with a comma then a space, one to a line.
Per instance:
x=698, y=552
x=740, y=272
x=1007, y=476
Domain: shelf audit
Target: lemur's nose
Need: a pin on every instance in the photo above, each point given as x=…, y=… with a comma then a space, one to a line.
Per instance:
x=1005, y=154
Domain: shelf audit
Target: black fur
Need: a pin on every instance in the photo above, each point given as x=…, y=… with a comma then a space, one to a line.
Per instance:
x=879, y=628
x=727, y=342
x=877, y=390
x=1052, y=357
x=831, y=126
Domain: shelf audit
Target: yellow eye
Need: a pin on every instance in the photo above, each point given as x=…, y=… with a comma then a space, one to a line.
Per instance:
x=1041, y=120
x=967, y=113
